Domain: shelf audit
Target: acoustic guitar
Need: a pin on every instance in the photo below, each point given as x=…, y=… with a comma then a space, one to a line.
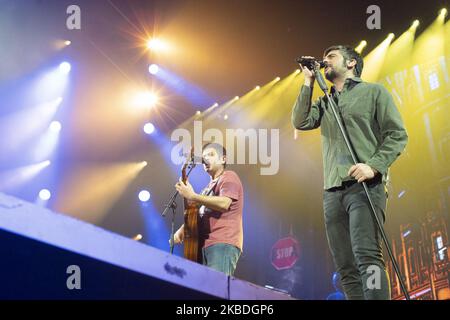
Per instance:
x=192, y=249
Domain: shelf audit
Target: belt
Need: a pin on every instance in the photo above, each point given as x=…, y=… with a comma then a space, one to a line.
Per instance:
x=345, y=185
x=348, y=183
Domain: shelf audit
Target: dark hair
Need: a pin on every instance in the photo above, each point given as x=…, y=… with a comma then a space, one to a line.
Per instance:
x=221, y=151
x=349, y=54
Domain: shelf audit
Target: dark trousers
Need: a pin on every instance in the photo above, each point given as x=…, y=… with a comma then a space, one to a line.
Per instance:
x=355, y=241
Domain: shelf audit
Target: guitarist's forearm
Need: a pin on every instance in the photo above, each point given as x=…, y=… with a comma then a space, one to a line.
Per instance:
x=215, y=203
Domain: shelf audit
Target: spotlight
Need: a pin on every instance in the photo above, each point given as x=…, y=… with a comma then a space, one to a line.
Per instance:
x=257, y=87
x=55, y=126
x=443, y=12
x=45, y=194
x=415, y=24
x=137, y=237
x=67, y=42
x=277, y=79
x=236, y=98
x=151, y=98
x=144, y=196
x=225, y=117
x=391, y=36
x=153, y=69
x=198, y=112
x=149, y=128
x=215, y=105
x=297, y=71
x=361, y=46
x=156, y=44
x=145, y=99
x=65, y=67
x=144, y=163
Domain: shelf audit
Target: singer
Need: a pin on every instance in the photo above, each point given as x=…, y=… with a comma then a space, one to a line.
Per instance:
x=221, y=204
x=377, y=134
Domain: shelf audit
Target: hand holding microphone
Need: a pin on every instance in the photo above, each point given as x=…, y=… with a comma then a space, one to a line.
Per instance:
x=309, y=62
x=309, y=65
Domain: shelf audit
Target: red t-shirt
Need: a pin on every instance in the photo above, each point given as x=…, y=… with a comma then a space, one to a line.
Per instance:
x=224, y=227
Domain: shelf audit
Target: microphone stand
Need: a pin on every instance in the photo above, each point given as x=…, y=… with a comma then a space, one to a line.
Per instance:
x=172, y=204
x=324, y=87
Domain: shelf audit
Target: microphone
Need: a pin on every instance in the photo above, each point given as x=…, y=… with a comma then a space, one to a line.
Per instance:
x=309, y=62
x=193, y=159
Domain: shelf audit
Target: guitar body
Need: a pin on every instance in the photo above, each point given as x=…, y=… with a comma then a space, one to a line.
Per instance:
x=192, y=245
x=192, y=248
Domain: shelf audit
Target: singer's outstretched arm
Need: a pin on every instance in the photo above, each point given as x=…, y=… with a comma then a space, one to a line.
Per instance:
x=306, y=115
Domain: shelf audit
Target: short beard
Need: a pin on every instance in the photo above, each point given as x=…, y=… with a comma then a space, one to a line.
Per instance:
x=331, y=75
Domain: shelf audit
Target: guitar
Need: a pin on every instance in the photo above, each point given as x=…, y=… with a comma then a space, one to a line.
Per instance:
x=192, y=249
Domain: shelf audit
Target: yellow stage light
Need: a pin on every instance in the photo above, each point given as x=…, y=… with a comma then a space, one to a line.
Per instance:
x=156, y=44
x=361, y=46
x=145, y=99
x=84, y=195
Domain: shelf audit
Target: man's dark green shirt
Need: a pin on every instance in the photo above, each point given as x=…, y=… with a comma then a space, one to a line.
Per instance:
x=372, y=122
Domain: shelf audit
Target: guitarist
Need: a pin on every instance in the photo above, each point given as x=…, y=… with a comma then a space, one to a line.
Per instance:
x=221, y=204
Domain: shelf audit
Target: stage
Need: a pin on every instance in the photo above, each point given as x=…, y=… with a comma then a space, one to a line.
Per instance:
x=48, y=255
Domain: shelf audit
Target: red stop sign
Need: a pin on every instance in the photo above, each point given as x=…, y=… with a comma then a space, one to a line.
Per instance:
x=285, y=253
